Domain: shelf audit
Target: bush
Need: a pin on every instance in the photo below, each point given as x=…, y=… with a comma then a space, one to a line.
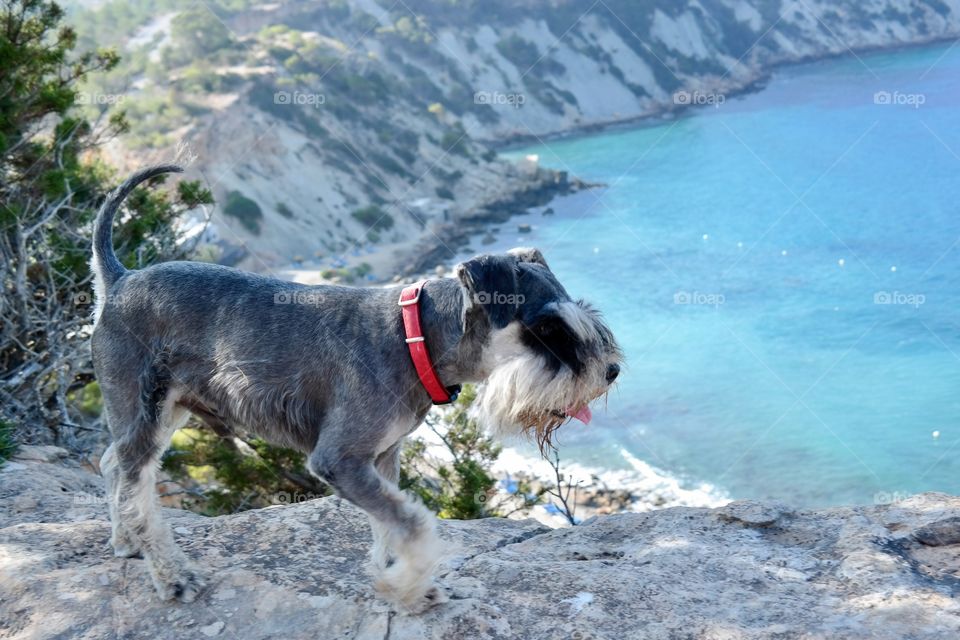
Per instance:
x=7, y=443
x=284, y=210
x=525, y=56
x=455, y=141
x=461, y=488
x=363, y=269
x=227, y=474
x=49, y=194
x=337, y=275
x=245, y=210
x=387, y=163
x=373, y=217
x=196, y=34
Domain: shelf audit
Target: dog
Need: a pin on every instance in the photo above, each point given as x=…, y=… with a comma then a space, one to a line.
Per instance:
x=332, y=371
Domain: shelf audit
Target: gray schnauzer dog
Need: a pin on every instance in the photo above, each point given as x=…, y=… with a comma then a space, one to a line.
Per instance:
x=326, y=370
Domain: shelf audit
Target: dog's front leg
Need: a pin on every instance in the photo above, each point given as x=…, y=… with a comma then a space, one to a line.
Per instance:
x=388, y=464
x=405, y=529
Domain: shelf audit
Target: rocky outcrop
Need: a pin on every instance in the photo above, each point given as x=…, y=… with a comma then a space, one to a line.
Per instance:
x=537, y=189
x=747, y=570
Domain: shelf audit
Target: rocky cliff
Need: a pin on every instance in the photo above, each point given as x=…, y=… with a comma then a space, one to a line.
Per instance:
x=356, y=126
x=746, y=570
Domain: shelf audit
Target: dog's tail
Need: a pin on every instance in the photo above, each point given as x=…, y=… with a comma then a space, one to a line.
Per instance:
x=106, y=267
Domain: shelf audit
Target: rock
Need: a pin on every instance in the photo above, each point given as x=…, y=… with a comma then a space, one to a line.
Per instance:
x=939, y=533
x=747, y=570
x=752, y=514
x=213, y=629
x=40, y=453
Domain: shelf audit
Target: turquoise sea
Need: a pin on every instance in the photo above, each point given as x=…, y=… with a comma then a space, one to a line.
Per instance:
x=783, y=271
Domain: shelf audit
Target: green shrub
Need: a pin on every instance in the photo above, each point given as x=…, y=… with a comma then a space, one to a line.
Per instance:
x=525, y=55
x=455, y=141
x=373, y=217
x=338, y=275
x=245, y=210
x=387, y=163
x=465, y=484
x=363, y=269
x=89, y=400
x=227, y=474
x=450, y=177
x=196, y=34
x=50, y=189
x=231, y=474
x=284, y=210
x=7, y=444
x=445, y=193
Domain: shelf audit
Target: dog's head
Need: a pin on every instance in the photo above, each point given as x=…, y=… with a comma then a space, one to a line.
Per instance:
x=545, y=356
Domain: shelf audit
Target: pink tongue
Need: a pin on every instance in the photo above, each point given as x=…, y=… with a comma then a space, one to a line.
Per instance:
x=583, y=414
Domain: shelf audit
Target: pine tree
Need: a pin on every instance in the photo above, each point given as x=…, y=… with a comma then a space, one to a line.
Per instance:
x=50, y=188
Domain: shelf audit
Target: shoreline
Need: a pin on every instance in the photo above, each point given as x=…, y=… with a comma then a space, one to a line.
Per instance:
x=437, y=246
x=424, y=254
x=668, y=111
x=636, y=487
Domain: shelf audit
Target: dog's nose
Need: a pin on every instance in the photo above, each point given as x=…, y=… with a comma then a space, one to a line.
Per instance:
x=612, y=372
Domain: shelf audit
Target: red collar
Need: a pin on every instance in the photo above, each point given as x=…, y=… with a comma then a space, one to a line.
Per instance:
x=410, y=309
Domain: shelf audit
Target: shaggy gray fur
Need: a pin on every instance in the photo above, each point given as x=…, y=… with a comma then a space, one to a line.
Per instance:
x=323, y=369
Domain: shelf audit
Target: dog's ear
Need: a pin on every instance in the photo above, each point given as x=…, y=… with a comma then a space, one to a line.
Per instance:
x=529, y=254
x=490, y=283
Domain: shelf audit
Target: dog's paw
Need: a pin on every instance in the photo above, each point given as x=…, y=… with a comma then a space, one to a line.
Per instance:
x=184, y=584
x=126, y=550
x=433, y=596
x=412, y=600
x=124, y=546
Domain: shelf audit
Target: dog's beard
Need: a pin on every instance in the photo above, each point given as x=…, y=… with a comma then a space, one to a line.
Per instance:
x=523, y=396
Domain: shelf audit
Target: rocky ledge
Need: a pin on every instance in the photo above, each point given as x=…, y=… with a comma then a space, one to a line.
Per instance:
x=747, y=570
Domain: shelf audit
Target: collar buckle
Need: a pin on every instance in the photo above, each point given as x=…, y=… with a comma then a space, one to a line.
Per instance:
x=415, y=299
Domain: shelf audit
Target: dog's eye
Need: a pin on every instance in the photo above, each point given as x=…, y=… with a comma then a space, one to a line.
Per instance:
x=548, y=328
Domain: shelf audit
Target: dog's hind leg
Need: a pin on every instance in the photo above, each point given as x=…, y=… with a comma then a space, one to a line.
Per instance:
x=405, y=527
x=124, y=543
x=174, y=576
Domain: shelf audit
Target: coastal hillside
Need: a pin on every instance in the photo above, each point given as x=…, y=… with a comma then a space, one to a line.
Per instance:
x=338, y=133
x=747, y=570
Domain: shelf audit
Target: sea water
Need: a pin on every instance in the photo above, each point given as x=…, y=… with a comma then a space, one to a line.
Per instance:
x=783, y=273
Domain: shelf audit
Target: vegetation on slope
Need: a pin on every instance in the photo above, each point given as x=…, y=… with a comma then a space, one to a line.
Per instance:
x=49, y=194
